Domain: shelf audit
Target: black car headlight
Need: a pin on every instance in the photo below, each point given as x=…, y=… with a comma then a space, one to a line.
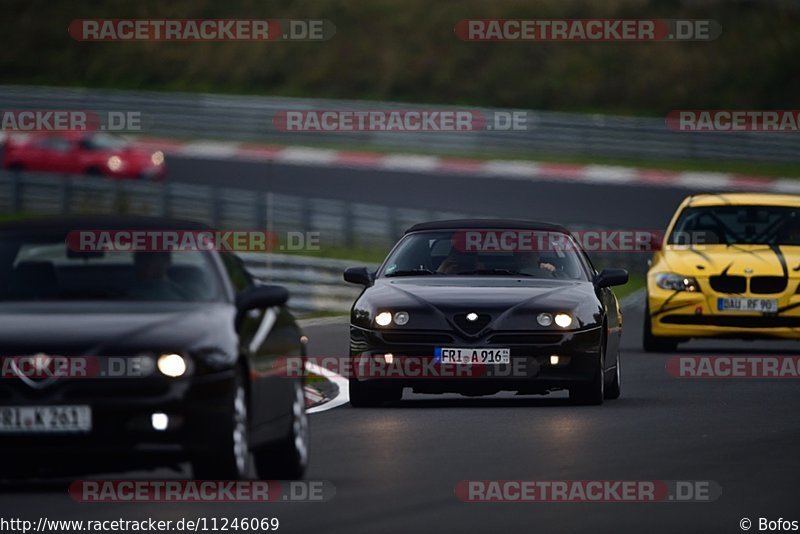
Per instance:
x=561, y=319
x=385, y=318
x=676, y=282
x=172, y=364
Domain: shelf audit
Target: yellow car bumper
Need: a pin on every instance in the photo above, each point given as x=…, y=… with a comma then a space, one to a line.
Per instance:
x=683, y=314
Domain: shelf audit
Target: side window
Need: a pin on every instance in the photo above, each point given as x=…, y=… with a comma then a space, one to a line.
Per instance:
x=237, y=273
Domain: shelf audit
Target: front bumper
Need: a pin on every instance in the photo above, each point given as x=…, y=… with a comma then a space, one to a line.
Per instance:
x=694, y=315
x=121, y=431
x=529, y=370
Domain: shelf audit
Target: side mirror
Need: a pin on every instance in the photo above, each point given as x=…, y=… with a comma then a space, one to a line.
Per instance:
x=358, y=275
x=611, y=277
x=261, y=297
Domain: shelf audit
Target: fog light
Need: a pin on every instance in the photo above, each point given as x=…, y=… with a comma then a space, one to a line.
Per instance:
x=554, y=359
x=171, y=364
x=544, y=319
x=388, y=358
x=160, y=421
x=383, y=318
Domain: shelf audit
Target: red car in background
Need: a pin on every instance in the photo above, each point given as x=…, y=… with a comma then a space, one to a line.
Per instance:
x=94, y=153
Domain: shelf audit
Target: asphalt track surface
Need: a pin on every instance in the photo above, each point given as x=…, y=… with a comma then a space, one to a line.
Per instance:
x=632, y=207
x=395, y=468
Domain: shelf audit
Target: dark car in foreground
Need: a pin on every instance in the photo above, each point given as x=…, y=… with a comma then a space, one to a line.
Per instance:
x=142, y=359
x=93, y=153
x=518, y=303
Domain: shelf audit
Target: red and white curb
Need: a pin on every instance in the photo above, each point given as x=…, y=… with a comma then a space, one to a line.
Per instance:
x=504, y=169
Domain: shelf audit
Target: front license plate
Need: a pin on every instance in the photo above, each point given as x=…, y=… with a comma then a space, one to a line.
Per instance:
x=747, y=305
x=22, y=419
x=473, y=356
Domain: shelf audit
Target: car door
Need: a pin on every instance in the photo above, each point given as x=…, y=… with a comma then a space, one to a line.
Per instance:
x=268, y=338
x=613, y=316
x=53, y=154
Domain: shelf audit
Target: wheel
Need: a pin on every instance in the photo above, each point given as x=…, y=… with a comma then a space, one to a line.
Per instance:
x=367, y=395
x=652, y=343
x=229, y=460
x=287, y=459
x=593, y=392
x=613, y=390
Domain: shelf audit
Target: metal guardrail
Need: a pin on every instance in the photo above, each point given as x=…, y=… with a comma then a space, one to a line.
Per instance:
x=250, y=118
x=315, y=284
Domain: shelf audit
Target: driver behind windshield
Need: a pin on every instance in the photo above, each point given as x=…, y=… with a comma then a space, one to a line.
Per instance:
x=151, y=280
x=530, y=262
x=458, y=262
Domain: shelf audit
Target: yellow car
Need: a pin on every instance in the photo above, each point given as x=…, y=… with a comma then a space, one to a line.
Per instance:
x=729, y=266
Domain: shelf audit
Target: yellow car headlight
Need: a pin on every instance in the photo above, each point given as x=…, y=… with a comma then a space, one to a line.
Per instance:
x=676, y=282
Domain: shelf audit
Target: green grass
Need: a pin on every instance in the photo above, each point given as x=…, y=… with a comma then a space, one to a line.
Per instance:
x=635, y=283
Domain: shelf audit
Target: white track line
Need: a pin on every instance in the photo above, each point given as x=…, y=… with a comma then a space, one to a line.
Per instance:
x=344, y=393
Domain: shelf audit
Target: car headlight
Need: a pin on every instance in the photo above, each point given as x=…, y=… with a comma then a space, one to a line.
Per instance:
x=544, y=319
x=114, y=163
x=385, y=318
x=173, y=365
x=563, y=320
x=401, y=318
x=676, y=282
x=157, y=158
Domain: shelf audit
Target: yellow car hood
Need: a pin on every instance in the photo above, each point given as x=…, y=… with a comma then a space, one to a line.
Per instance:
x=708, y=260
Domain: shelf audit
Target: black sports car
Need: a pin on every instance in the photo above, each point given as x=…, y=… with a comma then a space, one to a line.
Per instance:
x=517, y=305
x=139, y=359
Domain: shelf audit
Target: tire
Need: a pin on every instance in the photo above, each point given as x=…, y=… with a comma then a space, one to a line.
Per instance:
x=592, y=393
x=614, y=389
x=368, y=395
x=230, y=459
x=287, y=459
x=652, y=343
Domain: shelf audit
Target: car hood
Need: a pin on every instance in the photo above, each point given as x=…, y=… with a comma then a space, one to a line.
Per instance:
x=511, y=303
x=110, y=329
x=751, y=260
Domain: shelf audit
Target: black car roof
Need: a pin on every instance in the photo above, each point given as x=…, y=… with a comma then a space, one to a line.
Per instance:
x=488, y=224
x=64, y=224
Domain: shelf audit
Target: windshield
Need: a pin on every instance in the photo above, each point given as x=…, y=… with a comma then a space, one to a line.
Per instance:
x=46, y=270
x=104, y=141
x=737, y=225
x=447, y=253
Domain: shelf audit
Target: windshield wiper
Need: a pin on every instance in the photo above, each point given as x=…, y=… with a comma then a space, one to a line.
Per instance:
x=495, y=271
x=411, y=272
